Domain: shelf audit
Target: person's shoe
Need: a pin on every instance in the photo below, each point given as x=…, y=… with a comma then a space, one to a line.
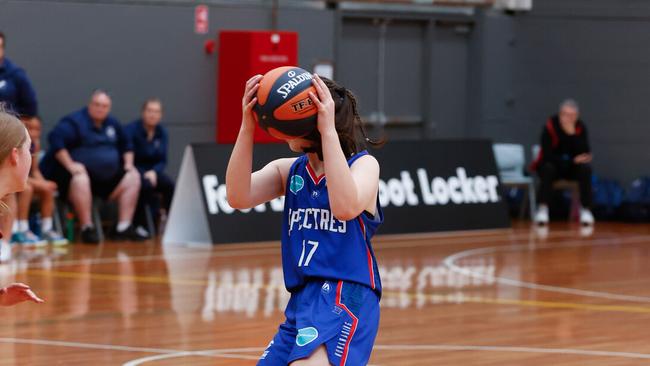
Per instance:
x=17, y=238
x=541, y=231
x=142, y=232
x=55, y=238
x=586, y=230
x=586, y=218
x=32, y=239
x=541, y=216
x=28, y=239
x=89, y=236
x=131, y=233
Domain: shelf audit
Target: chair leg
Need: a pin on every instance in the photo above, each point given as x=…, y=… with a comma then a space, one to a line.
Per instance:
x=532, y=199
x=151, y=227
x=97, y=220
x=56, y=219
x=522, y=208
x=574, y=214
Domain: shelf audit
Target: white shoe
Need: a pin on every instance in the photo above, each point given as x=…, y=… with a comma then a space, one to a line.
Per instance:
x=142, y=231
x=586, y=230
x=541, y=216
x=586, y=218
x=541, y=231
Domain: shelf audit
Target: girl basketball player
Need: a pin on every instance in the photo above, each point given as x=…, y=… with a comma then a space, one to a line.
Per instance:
x=330, y=213
x=15, y=162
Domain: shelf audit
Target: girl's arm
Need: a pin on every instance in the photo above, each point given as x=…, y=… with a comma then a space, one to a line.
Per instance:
x=244, y=188
x=351, y=189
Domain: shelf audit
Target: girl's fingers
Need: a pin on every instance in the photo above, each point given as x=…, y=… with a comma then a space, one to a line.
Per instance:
x=317, y=85
x=20, y=285
x=252, y=91
x=315, y=99
x=250, y=81
x=321, y=83
x=323, y=90
x=32, y=296
x=251, y=104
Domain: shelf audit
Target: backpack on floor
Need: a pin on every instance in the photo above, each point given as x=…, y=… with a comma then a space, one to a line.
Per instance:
x=636, y=206
x=607, y=198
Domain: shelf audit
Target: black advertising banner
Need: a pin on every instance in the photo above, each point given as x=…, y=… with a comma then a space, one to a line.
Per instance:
x=439, y=186
x=425, y=186
x=226, y=224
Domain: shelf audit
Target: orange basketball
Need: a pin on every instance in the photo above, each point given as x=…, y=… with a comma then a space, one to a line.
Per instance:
x=284, y=108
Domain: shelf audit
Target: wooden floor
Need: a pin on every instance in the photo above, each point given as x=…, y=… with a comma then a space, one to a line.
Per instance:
x=508, y=297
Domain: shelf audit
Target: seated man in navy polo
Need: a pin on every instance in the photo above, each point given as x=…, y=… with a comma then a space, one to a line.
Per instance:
x=150, y=143
x=90, y=154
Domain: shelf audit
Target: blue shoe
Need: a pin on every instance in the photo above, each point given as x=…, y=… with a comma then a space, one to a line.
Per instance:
x=32, y=240
x=54, y=238
x=17, y=238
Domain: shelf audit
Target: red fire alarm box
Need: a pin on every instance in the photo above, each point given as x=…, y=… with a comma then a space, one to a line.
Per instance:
x=243, y=54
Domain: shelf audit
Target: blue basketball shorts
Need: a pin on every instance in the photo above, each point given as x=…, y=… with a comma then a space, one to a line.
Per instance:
x=342, y=316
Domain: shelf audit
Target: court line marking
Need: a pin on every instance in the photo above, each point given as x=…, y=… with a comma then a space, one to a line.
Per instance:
x=228, y=352
x=273, y=247
x=461, y=299
x=561, y=351
x=451, y=260
x=140, y=361
x=218, y=353
x=99, y=346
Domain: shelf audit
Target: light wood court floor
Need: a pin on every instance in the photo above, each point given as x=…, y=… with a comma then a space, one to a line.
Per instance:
x=508, y=297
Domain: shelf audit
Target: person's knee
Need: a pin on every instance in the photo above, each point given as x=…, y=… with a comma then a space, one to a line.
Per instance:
x=29, y=189
x=133, y=178
x=80, y=180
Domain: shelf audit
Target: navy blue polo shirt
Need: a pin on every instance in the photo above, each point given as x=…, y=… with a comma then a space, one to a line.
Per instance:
x=99, y=149
x=16, y=90
x=149, y=155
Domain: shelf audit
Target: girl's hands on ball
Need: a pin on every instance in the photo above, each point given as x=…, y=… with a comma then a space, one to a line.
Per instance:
x=325, y=104
x=249, y=100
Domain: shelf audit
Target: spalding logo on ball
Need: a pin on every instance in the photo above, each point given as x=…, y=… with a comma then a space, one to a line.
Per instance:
x=284, y=108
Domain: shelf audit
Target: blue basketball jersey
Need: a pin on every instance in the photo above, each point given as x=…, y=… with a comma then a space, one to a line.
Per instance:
x=316, y=245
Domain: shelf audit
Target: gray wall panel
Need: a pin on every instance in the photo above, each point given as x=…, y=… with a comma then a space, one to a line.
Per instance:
x=531, y=62
x=501, y=80
x=137, y=51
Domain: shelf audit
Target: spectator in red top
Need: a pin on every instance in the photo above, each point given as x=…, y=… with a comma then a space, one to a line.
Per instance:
x=565, y=154
x=15, y=162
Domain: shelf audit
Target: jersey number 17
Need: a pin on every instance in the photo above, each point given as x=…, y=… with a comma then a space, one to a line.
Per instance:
x=314, y=246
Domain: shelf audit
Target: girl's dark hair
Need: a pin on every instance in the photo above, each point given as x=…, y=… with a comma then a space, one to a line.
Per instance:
x=349, y=127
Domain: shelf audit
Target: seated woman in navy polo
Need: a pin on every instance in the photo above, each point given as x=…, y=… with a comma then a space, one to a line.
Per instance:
x=150, y=143
x=90, y=154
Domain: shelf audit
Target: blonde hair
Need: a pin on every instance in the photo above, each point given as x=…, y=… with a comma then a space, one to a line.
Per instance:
x=12, y=135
